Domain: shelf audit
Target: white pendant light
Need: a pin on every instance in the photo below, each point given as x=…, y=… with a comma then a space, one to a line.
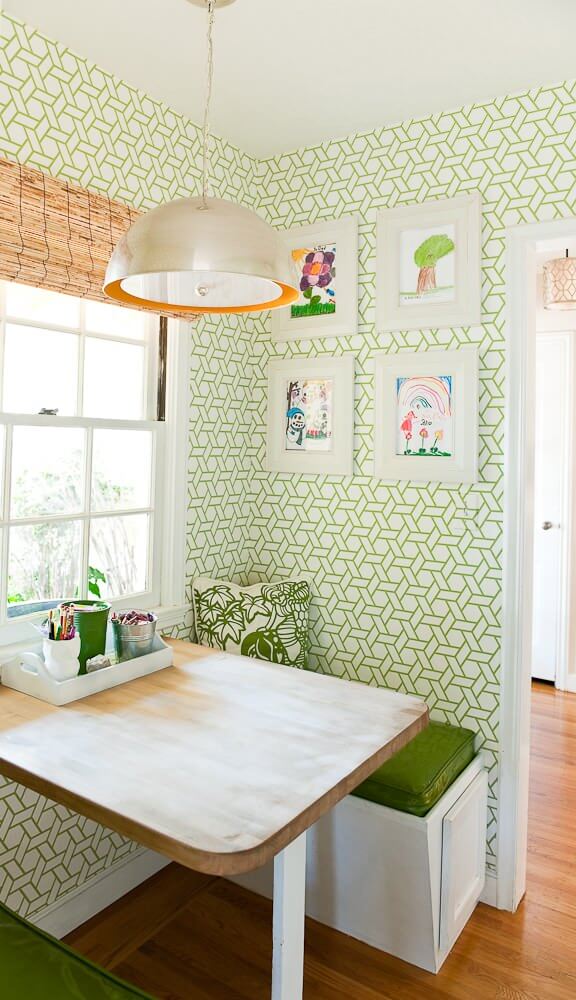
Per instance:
x=202, y=254
x=560, y=283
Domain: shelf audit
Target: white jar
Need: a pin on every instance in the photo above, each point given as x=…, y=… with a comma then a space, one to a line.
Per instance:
x=60, y=658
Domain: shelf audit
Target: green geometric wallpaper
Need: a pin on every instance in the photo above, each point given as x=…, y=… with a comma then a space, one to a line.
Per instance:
x=406, y=582
x=62, y=115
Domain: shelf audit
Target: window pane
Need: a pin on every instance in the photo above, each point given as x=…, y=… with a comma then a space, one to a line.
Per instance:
x=119, y=551
x=41, y=306
x=40, y=369
x=47, y=470
x=43, y=564
x=121, y=469
x=115, y=321
x=114, y=380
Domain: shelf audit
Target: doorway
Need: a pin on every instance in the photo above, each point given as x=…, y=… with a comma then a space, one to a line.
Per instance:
x=524, y=243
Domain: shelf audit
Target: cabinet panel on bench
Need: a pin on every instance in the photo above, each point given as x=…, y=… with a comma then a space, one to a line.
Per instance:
x=463, y=859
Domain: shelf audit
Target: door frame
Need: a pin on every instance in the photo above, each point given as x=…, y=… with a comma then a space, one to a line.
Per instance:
x=515, y=686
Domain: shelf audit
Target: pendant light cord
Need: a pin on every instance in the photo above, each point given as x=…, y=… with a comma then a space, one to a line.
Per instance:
x=206, y=128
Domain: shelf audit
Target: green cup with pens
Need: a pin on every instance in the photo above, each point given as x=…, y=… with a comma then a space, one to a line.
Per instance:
x=90, y=620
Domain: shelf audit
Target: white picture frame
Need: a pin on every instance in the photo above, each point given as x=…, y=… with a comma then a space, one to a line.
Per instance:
x=411, y=396
x=294, y=450
x=343, y=235
x=446, y=293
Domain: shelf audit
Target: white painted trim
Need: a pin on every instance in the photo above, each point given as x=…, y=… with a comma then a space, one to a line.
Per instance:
x=175, y=464
x=62, y=916
x=288, y=921
x=172, y=615
x=489, y=894
x=518, y=555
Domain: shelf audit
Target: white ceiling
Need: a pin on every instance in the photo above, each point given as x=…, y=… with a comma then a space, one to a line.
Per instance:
x=291, y=73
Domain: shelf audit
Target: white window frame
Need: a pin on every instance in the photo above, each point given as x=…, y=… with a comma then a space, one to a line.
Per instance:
x=166, y=593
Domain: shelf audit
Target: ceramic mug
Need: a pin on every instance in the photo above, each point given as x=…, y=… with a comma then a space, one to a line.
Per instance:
x=60, y=661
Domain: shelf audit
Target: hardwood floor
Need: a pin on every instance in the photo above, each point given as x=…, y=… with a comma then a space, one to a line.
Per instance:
x=183, y=936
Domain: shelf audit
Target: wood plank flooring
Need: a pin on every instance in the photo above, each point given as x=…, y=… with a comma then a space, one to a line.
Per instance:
x=183, y=936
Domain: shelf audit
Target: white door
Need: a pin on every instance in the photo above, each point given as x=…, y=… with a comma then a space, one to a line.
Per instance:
x=553, y=363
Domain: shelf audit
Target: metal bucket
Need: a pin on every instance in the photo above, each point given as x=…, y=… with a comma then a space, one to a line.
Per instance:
x=133, y=640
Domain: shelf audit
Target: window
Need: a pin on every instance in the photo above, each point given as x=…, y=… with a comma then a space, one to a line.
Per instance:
x=80, y=489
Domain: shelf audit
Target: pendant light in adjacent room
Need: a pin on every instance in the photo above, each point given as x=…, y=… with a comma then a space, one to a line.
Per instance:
x=202, y=255
x=560, y=283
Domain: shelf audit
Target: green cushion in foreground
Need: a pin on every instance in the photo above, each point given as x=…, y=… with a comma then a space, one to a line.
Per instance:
x=35, y=966
x=418, y=775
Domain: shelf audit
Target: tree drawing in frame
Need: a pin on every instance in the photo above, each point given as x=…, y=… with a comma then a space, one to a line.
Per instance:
x=316, y=274
x=309, y=414
x=424, y=416
x=427, y=265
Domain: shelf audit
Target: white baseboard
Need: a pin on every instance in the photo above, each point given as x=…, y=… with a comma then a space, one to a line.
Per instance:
x=490, y=891
x=65, y=914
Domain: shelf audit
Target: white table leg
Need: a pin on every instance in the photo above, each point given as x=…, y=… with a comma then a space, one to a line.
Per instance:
x=288, y=921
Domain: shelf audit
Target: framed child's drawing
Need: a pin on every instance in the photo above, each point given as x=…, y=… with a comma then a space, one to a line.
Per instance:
x=426, y=416
x=325, y=264
x=428, y=265
x=311, y=415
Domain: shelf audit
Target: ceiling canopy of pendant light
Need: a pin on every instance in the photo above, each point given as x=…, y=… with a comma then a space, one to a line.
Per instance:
x=202, y=254
x=560, y=283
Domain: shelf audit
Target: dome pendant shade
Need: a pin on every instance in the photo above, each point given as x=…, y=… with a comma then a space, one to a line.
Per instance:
x=560, y=283
x=196, y=256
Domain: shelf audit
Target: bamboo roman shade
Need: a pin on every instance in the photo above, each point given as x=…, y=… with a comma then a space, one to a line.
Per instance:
x=57, y=235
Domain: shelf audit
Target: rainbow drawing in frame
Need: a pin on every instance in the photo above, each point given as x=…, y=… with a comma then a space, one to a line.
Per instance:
x=424, y=416
x=316, y=270
x=309, y=414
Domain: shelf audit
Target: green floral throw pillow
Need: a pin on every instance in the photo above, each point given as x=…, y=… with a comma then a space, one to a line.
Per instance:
x=268, y=621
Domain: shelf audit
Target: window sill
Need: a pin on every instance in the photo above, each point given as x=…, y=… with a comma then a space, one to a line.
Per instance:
x=168, y=617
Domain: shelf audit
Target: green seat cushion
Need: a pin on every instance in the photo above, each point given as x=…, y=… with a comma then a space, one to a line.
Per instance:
x=418, y=775
x=268, y=621
x=35, y=966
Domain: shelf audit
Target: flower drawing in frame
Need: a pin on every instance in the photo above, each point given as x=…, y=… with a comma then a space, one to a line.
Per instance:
x=324, y=266
x=316, y=269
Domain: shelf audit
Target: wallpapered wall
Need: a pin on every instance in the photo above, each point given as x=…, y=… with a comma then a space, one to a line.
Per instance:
x=64, y=116
x=407, y=589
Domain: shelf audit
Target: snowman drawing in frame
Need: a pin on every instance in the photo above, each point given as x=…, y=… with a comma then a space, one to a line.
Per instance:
x=295, y=429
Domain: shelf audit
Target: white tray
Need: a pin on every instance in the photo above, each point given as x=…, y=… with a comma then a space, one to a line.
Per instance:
x=21, y=677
